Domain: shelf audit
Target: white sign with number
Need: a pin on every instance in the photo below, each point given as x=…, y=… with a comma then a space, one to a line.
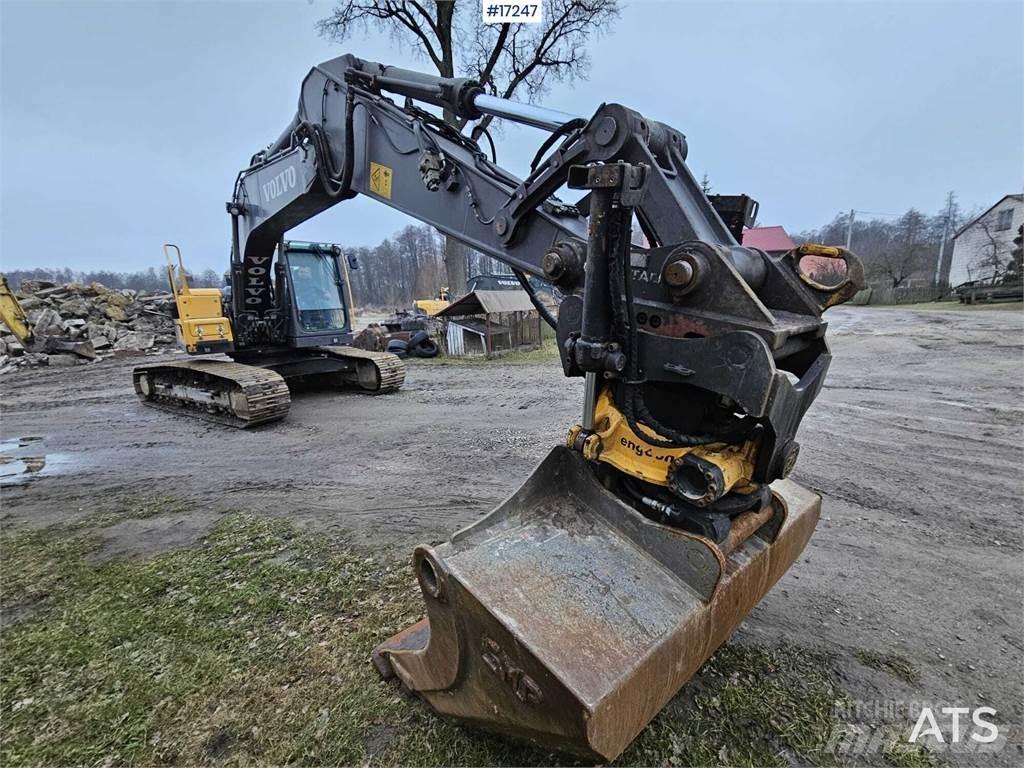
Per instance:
x=497, y=12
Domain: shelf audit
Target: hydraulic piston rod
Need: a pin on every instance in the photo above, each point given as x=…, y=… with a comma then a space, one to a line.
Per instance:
x=518, y=112
x=461, y=95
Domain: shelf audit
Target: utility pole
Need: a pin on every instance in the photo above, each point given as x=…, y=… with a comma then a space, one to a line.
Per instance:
x=945, y=232
x=849, y=229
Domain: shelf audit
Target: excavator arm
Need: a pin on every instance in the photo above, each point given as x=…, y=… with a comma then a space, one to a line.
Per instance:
x=13, y=316
x=660, y=331
x=574, y=611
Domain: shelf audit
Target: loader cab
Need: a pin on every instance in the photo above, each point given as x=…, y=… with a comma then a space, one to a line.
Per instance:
x=314, y=281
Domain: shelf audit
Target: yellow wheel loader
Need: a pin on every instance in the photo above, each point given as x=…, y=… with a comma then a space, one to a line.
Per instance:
x=577, y=609
x=433, y=306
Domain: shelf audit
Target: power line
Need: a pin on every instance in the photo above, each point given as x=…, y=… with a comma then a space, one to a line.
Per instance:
x=879, y=213
x=853, y=215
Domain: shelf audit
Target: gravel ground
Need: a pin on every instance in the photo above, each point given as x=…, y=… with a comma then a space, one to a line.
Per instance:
x=916, y=445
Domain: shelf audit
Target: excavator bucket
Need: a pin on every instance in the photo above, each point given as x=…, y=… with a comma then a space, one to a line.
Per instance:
x=567, y=618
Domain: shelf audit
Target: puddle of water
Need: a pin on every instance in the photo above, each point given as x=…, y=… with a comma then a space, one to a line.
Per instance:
x=17, y=467
x=11, y=467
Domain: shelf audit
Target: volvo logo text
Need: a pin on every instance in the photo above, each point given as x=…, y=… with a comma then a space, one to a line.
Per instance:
x=280, y=184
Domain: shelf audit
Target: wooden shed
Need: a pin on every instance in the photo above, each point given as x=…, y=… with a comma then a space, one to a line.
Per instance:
x=490, y=322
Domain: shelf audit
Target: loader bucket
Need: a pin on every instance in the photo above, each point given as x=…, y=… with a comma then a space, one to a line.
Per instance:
x=567, y=618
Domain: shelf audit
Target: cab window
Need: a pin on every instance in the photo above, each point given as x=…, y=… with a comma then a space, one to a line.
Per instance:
x=317, y=286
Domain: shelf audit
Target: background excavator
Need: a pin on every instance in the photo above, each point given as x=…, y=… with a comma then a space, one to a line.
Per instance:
x=13, y=316
x=302, y=337
x=572, y=613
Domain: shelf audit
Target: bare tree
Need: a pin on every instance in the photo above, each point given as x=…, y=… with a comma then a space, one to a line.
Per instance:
x=991, y=260
x=506, y=59
x=905, y=254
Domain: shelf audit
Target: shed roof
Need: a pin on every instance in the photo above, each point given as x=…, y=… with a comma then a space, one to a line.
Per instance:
x=488, y=302
x=768, y=239
x=980, y=216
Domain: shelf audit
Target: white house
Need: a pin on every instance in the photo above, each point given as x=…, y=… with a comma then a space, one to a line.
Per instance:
x=986, y=241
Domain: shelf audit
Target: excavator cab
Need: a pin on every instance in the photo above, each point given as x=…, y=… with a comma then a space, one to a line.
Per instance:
x=318, y=300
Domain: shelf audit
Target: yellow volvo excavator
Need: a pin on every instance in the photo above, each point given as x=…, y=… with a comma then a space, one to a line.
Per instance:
x=572, y=613
x=303, y=337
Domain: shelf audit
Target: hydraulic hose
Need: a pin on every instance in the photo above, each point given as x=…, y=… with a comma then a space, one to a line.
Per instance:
x=534, y=299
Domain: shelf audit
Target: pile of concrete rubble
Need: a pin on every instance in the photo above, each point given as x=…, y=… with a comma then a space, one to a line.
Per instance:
x=75, y=324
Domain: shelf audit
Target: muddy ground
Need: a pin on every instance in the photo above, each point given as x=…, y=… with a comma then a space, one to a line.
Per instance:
x=916, y=445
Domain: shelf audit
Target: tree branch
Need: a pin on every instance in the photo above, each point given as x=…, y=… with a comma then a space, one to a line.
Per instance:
x=492, y=60
x=351, y=13
x=426, y=16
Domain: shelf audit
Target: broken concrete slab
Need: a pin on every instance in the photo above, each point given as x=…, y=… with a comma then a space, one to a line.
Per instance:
x=44, y=320
x=116, y=313
x=83, y=349
x=116, y=299
x=76, y=307
x=135, y=341
x=63, y=361
x=35, y=286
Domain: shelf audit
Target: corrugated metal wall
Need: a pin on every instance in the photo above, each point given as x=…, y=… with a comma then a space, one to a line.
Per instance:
x=455, y=343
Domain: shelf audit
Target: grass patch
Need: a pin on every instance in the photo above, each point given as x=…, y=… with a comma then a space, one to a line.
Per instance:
x=899, y=753
x=896, y=665
x=38, y=563
x=547, y=352
x=749, y=705
x=254, y=646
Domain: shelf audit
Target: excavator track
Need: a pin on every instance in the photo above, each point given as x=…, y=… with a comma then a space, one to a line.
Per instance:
x=224, y=392
x=378, y=372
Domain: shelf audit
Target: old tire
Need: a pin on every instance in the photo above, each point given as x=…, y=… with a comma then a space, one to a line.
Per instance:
x=398, y=347
x=427, y=348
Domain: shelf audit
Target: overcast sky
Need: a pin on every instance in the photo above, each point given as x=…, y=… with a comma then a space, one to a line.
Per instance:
x=124, y=124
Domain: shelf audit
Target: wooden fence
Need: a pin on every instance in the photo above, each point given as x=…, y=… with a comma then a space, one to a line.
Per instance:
x=885, y=294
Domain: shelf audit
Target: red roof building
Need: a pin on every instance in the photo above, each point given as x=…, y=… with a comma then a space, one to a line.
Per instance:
x=771, y=239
